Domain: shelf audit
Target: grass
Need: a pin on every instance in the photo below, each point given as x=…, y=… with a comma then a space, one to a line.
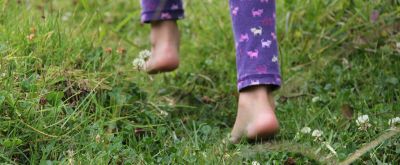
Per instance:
x=69, y=94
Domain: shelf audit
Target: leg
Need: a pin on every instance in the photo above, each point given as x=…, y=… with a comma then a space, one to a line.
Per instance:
x=162, y=15
x=257, y=67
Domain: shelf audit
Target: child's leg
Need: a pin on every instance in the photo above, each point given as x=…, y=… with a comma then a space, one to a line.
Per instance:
x=162, y=15
x=257, y=67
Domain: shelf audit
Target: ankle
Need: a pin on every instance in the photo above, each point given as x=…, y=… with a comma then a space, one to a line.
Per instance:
x=163, y=23
x=256, y=95
x=255, y=92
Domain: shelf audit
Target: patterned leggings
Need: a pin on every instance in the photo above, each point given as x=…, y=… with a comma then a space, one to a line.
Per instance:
x=255, y=37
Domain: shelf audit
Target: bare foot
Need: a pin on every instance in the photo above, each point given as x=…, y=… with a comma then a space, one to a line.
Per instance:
x=165, y=47
x=256, y=115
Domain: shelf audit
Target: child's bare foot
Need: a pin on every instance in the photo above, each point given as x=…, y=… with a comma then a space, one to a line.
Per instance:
x=165, y=47
x=256, y=115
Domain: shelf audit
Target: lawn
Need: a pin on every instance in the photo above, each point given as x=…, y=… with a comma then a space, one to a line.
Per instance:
x=69, y=93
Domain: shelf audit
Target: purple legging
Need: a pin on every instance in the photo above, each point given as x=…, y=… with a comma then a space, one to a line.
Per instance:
x=255, y=37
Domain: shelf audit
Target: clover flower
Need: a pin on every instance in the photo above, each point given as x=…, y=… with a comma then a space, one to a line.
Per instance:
x=306, y=130
x=363, y=122
x=145, y=54
x=393, y=122
x=317, y=134
x=138, y=64
x=362, y=119
x=255, y=163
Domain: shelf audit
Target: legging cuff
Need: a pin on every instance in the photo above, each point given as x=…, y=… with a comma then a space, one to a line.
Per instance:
x=272, y=80
x=163, y=15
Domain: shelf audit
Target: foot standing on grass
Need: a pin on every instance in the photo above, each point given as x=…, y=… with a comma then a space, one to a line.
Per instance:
x=256, y=58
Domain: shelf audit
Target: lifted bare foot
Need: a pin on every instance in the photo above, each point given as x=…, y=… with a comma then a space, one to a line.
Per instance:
x=165, y=47
x=256, y=115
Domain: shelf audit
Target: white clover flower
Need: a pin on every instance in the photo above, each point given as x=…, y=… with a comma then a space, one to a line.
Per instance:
x=362, y=119
x=394, y=121
x=305, y=130
x=145, y=54
x=363, y=122
x=317, y=133
x=255, y=163
x=138, y=64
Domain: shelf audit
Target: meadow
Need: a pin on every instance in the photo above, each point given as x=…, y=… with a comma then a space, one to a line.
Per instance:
x=69, y=93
